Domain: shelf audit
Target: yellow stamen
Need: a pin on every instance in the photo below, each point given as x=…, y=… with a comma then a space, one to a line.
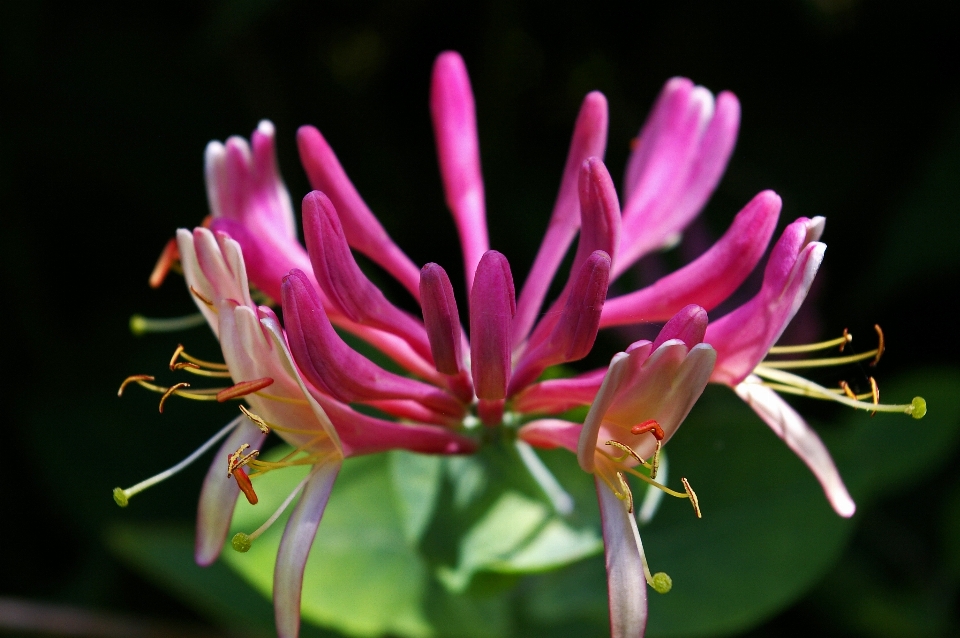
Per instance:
x=259, y=422
x=134, y=378
x=655, y=464
x=829, y=361
x=875, y=392
x=629, y=452
x=880, y=346
x=140, y=325
x=813, y=347
x=693, y=497
x=243, y=388
x=646, y=479
x=180, y=352
x=170, y=392
x=238, y=459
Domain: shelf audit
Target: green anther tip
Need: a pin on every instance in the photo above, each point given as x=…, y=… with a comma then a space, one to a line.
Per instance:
x=919, y=407
x=662, y=583
x=138, y=326
x=241, y=542
x=120, y=497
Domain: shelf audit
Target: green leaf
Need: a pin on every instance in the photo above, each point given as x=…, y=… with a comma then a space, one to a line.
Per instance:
x=416, y=483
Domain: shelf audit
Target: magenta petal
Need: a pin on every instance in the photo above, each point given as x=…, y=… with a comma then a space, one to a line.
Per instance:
x=335, y=368
x=743, y=337
x=551, y=433
x=626, y=583
x=345, y=285
x=799, y=437
x=455, y=127
x=441, y=318
x=295, y=547
x=361, y=227
x=589, y=140
x=492, y=306
x=573, y=334
x=689, y=326
x=559, y=395
x=710, y=278
x=218, y=497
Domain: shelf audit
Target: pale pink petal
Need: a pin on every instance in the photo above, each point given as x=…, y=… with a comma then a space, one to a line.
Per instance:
x=455, y=128
x=606, y=395
x=361, y=226
x=574, y=333
x=218, y=496
x=743, y=337
x=333, y=367
x=799, y=437
x=626, y=583
x=295, y=547
x=551, y=433
x=195, y=278
x=709, y=279
x=492, y=306
x=589, y=140
x=346, y=287
x=441, y=318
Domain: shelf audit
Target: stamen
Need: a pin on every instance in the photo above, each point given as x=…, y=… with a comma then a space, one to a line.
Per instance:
x=134, y=378
x=655, y=464
x=663, y=488
x=238, y=459
x=648, y=426
x=122, y=497
x=813, y=347
x=880, y=346
x=693, y=497
x=847, y=391
x=624, y=448
x=140, y=325
x=875, y=392
x=257, y=420
x=170, y=392
x=243, y=388
x=168, y=256
x=626, y=493
x=200, y=296
x=180, y=352
x=828, y=361
x=242, y=542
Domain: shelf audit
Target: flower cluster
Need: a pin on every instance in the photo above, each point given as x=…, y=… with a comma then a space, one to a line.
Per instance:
x=301, y=380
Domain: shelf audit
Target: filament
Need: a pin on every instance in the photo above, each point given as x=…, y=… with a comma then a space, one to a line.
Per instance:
x=140, y=325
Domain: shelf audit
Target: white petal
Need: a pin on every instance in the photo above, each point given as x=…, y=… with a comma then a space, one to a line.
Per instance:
x=626, y=584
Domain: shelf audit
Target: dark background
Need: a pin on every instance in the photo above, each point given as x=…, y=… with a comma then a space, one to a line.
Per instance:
x=851, y=110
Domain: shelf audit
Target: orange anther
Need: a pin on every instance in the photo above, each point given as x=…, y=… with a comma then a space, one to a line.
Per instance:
x=135, y=378
x=650, y=426
x=847, y=338
x=168, y=255
x=880, y=346
x=170, y=392
x=847, y=391
x=245, y=485
x=243, y=388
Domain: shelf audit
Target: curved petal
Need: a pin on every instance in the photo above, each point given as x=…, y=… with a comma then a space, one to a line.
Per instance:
x=441, y=318
x=626, y=583
x=492, y=306
x=295, y=548
x=458, y=149
x=799, y=437
x=559, y=395
x=551, y=433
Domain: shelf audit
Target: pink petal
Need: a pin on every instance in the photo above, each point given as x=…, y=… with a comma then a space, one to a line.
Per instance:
x=361, y=227
x=743, y=337
x=455, y=127
x=574, y=333
x=492, y=306
x=551, y=433
x=709, y=279
x=441, y=318
x=559, y=395
x=689, y=326
x=799, y=437
x=295, y=548
x=218, y=496
x=606, y=395
x=344, y=284
x=336, y=369
x=626, y=583
x=589, y=140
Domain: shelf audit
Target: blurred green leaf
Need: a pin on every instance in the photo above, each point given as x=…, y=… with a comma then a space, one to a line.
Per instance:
x=416, y=481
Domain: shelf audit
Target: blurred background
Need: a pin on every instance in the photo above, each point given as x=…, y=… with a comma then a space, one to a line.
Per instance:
x=851, y=110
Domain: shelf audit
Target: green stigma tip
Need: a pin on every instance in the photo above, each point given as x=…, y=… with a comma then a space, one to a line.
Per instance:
x=120, y=497
x=919, y=407
x=241, y=542
x=138, y=325
x=662, y=583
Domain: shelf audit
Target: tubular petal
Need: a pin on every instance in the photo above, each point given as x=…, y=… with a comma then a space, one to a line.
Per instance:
x=335, y=368
x=551, y=433
x=744, y=336
x=689, y=326
x=345, y=285
x=295, y=548
x=709, y=279
x=492, y=306
x=441, y=318
x=218, y=496
x=799, y=437
x=626, y=583
x=589, y=140
x=360, y=225
x=558, y=395
x=455, y=128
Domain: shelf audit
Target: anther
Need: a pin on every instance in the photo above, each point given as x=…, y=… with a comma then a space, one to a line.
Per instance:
x=880, y=346
x=626, y=494
x=875, y=392
x=257, y=420
x=661, y=582
x=847, y=391
x=693, y=497
x=170, y=392
x=655, y=464
x=847, y=338
x=168, y=256
x=648, y=426
x=238, y=459
x=625, y=448
x=176, y=355
x=135, y=378
x=243, y=388
x=200, y=296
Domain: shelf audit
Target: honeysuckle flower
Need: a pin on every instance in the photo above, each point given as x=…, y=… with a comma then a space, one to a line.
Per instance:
x=323, y=430
x=645, y=395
